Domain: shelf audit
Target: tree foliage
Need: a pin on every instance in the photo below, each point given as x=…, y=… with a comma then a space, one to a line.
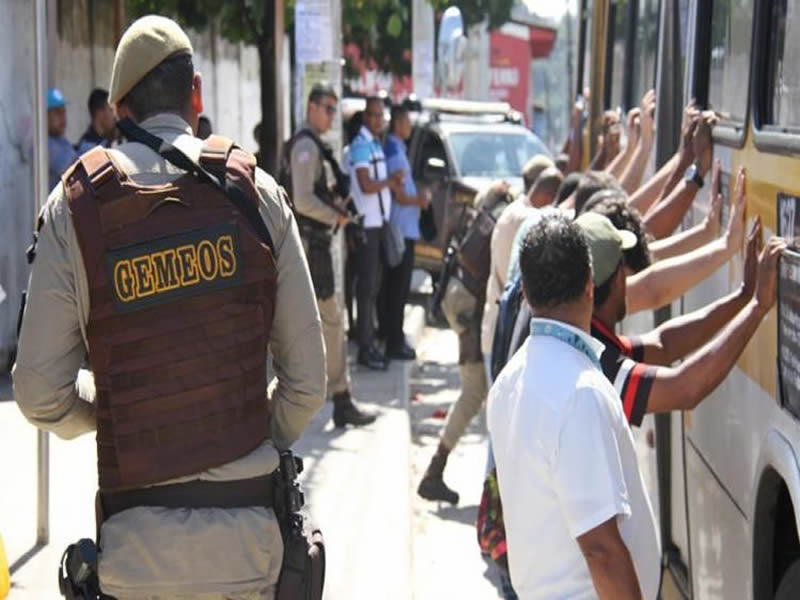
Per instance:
x=381, y=29
x=239, y=20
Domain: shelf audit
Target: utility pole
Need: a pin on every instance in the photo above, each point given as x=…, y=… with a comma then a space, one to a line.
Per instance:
x=422, y=54
x=318, y=54
x=40, y=191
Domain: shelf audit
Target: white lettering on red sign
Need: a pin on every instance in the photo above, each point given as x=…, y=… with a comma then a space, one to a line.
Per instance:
x=504, y=76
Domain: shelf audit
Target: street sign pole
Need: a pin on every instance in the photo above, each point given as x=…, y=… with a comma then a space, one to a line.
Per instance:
x=39, y=194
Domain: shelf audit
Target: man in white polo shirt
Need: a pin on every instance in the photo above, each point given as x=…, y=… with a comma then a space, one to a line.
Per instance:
x=578, y=520
x=371, y=188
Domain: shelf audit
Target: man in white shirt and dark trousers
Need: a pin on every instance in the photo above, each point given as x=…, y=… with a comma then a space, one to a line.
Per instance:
x=371, y=188
x=578, y=520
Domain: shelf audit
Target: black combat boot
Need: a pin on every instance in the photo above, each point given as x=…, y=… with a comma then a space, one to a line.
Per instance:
x=432, y=486
x=346, y=412
x=372, y=358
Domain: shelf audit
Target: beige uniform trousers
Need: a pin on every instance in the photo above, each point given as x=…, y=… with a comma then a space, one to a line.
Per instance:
x=473, y=393
x=335, y=345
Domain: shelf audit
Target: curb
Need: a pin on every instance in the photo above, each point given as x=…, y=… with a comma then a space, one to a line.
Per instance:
x=414, y=325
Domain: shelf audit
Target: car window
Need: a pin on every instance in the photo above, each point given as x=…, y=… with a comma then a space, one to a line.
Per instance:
x=496, y=155
x=432, y=147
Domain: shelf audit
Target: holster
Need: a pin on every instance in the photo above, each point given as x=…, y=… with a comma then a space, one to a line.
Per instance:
x=317, y=240
x=303, y=568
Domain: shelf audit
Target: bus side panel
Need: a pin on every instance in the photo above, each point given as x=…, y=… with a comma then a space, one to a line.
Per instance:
x=721, y=556
x=680, y=528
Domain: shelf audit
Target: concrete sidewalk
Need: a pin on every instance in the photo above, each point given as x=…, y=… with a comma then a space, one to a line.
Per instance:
x=358, y=487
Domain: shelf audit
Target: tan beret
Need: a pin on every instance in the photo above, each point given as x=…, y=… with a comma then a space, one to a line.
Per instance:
x=146, y=43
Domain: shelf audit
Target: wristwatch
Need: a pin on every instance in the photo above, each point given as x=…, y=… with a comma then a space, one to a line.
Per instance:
x=693, y=174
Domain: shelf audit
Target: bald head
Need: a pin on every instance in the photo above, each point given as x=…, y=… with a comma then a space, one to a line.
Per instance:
x=533, y=168
x=545, y=188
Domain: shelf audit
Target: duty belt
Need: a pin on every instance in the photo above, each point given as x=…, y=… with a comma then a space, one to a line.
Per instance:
x=198, y=493
x=307, y=224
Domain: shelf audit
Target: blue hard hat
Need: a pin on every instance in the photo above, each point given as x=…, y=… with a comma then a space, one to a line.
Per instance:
x=55, y=99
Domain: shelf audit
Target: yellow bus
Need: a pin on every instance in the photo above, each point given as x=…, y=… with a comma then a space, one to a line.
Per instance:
x=724, y=478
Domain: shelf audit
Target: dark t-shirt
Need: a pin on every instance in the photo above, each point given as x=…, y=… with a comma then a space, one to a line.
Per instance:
x=621, y=363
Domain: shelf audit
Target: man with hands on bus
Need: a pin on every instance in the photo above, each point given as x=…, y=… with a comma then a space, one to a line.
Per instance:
x=664, y=200
x=716, y=334
x=673, y=275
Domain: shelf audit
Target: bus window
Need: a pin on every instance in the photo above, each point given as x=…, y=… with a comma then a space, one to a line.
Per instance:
x=646, y=47
x=731, y=35
x=783, y=83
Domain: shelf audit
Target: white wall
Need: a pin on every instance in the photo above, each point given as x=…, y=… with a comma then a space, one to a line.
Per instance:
x=232, y=91
x=16, y=162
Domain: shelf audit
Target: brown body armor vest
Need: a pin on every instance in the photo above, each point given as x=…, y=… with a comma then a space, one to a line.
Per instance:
x=182, y=297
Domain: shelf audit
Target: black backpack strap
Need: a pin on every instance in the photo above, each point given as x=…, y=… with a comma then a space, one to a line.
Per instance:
x=173, y=155
x=325, y=150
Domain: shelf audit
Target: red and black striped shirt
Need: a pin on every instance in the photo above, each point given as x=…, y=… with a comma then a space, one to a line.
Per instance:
x=621, y=364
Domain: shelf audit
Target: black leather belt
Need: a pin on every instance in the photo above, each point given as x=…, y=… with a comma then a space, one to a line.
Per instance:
x=198, y=493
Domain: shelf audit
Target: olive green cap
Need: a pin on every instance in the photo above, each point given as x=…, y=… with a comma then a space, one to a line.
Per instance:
x=606, y=244
x=146, y=43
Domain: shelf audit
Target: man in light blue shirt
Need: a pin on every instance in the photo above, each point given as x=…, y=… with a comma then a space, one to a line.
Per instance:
x=60, y=152
x=406, y=202
x=371, y=188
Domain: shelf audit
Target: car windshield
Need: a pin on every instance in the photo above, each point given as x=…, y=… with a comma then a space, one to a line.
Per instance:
x=495, y=155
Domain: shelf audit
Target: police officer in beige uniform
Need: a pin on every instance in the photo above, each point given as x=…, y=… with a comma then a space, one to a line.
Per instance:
x=318, y=211
x=168, y=288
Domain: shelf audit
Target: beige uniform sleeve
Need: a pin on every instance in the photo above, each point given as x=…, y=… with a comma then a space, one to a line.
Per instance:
x=52, y=342
x=306, y=168
x=296, y=341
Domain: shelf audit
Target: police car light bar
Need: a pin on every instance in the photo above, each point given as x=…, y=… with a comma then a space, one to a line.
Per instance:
x=465, y=107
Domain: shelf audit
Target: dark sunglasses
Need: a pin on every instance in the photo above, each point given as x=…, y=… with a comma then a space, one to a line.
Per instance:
x=329, y=108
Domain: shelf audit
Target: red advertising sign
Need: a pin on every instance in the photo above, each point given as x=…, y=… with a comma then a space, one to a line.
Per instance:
x=509, y=65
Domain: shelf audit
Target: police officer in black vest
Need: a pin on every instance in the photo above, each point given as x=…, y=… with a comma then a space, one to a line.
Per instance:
x=316, y=188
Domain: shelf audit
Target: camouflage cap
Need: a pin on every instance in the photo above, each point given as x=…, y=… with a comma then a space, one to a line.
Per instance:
x=146, y=43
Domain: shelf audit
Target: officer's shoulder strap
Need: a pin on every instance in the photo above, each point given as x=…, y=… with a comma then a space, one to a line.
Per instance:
x=214, y=155
x=301, y=134
x=235, y=170
x=93, y=174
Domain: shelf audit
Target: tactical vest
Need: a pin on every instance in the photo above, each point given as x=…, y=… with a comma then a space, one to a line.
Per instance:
x=474, y=249
x=182, y=298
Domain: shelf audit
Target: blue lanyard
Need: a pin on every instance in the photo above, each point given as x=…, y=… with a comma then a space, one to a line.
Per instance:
x=565, y=335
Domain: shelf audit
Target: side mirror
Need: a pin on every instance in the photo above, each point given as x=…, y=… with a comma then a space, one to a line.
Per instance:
x=435, y=169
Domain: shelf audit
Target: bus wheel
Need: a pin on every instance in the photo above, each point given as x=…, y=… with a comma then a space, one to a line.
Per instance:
x=790, y=583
